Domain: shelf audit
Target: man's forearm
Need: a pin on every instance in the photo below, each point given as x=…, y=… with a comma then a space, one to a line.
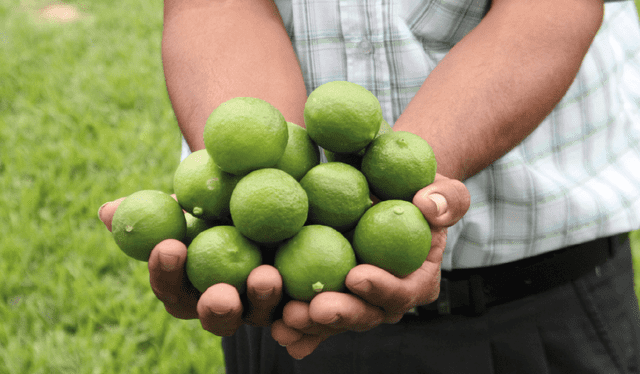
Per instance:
x=213, y=51
x=500, y=81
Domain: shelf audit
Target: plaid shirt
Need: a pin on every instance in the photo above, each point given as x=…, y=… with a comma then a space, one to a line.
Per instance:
x=575, y=178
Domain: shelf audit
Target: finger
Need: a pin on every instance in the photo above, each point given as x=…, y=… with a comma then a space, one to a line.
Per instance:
x=107, y=210
x=283, y=334
x=438, y=244
x=305, y=346
x=169, y=281
x=444, y=202
x=343, y=311
x=296, y=315
x=395, y=295
x=431, y=204
x=220, y=309
x=264, y=292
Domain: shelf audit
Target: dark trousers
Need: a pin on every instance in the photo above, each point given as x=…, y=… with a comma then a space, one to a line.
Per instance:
x=590, y=325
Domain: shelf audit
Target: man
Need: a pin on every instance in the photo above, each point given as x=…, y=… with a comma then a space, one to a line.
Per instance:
x=532, y=104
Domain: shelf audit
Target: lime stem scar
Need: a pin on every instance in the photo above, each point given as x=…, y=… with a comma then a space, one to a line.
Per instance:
x=317, y=287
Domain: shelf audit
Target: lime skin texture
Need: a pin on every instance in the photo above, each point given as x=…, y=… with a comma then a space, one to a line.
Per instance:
x=316, y=260
x=393, y=235
x=144, y=219
x=221, y=255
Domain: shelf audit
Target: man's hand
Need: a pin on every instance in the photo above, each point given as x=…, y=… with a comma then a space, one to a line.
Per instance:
x=219, y=308
x=377, y=296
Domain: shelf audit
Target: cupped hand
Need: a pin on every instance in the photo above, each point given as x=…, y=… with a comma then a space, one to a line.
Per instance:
x=376, y=296
x=219, y=308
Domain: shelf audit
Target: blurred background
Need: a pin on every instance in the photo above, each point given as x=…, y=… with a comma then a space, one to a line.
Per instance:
x=84, y=119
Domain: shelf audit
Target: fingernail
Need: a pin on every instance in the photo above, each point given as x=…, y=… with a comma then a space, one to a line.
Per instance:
x=440, y=201
x=263, y=294
x=168, y=262
x=334, y=319
x=100, y=210
x=220, y=312
x=363, y=287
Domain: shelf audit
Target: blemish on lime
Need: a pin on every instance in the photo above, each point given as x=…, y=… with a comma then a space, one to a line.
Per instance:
x=210, y=183
x=402, y=143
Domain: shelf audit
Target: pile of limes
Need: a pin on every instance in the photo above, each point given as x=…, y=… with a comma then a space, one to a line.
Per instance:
x=258, y=193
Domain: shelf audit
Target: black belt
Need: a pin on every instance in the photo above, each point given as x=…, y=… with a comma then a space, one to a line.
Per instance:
x=472, y=291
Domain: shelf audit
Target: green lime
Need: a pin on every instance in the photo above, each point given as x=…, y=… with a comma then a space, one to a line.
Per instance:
x=301, y=153
x=338, y=195
x=221, y=255
x=399, y=164
x=342, y=117
x=317, y=259
x=245, y=134
x=144, y=219
x=393, y=235
x=197, y=225
x=355, y=159
x=201, y=188
x=269, y=205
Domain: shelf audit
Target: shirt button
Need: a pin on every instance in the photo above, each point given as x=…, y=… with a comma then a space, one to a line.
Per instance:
x=366, y=47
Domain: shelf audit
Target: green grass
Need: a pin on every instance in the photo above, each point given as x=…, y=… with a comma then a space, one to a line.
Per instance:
x=85, y=118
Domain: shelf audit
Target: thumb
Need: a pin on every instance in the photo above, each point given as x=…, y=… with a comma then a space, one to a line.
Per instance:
x=431, y=204
x=107, y=210
x=444, y=202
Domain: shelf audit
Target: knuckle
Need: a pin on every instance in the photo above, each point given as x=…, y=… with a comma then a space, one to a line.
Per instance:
x=402, y=299
x=433, y=294
x=163, y=296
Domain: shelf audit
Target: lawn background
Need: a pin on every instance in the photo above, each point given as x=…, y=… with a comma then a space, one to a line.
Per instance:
x=85, y=118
